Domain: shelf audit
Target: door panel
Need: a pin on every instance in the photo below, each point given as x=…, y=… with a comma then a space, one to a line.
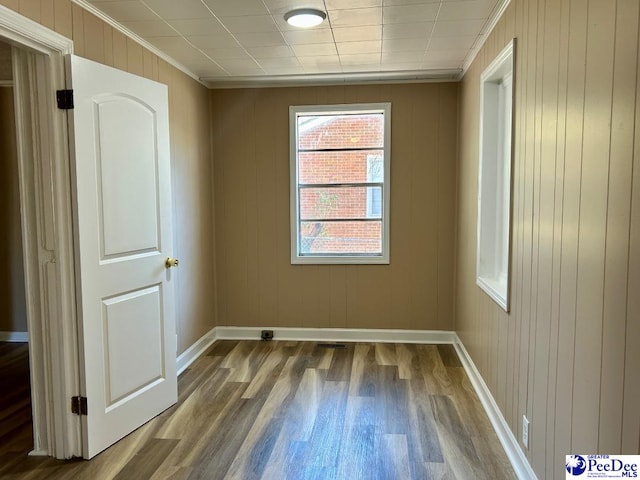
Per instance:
x=132, y=320
x=123, y=228
x=127, y=163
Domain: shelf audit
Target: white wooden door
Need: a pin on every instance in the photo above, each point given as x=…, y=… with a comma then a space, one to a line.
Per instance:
x=123, y=206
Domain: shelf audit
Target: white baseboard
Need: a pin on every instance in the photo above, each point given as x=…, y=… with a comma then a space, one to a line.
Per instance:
x=192, y=353
x=21, y=337
x=511, y=446
x=38, y=453
x=338, y=335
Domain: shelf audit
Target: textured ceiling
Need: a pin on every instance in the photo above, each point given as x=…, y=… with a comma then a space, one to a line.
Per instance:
x=227, y=42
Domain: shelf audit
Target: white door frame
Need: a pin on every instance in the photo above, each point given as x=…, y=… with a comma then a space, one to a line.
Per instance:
x=47, y=231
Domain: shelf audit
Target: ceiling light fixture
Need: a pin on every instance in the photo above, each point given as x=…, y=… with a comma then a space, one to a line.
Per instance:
x=305, y=17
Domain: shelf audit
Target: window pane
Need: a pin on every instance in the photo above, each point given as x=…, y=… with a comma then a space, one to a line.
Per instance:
x=341, y=238
x=339, y=203
x=375, y=167
x=340, y=131
x=374, y=202
x=340, y=167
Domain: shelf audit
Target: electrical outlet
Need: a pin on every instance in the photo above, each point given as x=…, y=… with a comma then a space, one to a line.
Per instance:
x=267, y=335
x=525, y=431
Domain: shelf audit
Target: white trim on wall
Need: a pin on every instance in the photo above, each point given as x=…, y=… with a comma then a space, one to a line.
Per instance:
x=420, y=76
x=490, y=25
x=192, y=353
x=28, y=33
x=323, y=79
x=494, y=177
x=124, y=30
x=38, y=66
x=18, y=337
x=337, y=335
x=410, y=76
x=511, y=446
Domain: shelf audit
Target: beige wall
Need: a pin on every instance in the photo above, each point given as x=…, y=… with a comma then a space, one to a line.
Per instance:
x=5, y=62
x=567, y=355
x=190, y=150
x=257, y=285
x=13, y=315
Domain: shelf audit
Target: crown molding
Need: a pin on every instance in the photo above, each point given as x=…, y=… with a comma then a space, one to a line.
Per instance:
x=122, y=29
x=414, y=76
x=411, y=76
x=493, y=20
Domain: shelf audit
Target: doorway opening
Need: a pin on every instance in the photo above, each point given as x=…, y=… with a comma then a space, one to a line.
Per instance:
x=15, y=387
x=42, y=146
x=87, y=395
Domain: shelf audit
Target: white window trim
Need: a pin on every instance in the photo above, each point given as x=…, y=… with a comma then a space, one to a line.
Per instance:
x=294, y=112
x=494, y=178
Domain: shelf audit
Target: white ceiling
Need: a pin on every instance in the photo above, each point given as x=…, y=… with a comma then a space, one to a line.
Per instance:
x=233, y=42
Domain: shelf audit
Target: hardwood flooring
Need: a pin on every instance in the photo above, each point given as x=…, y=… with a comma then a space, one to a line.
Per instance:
x=16, y=436
x=296, y=410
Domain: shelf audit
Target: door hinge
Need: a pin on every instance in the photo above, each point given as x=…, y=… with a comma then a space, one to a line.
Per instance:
x=65, y=99
x=79, y=405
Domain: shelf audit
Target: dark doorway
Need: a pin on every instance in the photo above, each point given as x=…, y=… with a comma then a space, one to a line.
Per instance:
x=16, y=429
x=16, y=436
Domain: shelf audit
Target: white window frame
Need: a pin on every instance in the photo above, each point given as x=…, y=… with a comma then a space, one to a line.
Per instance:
x=364, y=108
x=494, y=177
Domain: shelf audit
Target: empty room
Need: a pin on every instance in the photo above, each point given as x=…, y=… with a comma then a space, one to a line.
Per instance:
x=320, y=239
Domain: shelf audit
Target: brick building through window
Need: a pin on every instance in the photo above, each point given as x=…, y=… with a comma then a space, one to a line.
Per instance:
x=340, y=184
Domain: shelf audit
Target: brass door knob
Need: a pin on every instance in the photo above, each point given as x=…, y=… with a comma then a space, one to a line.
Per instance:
x=171, y=262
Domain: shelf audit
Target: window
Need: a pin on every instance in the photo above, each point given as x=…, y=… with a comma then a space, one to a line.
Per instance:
x=340, y=183
x=494, y=182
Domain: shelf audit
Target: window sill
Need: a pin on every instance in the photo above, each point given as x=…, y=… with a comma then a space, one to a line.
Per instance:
x=495, y=289
x=311, y=260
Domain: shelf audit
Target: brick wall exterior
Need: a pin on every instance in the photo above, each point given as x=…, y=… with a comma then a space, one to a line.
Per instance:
x=360, y=131
x=330, y=167
x=351, y=131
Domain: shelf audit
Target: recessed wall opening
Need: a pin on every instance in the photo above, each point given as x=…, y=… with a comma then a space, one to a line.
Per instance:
x=494, y=177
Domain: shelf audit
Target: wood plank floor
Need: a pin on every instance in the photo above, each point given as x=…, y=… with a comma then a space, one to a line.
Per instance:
x=16, y=435
x=296, y=410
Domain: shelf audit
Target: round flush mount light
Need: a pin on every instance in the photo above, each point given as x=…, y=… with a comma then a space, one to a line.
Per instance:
x=305, y=17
